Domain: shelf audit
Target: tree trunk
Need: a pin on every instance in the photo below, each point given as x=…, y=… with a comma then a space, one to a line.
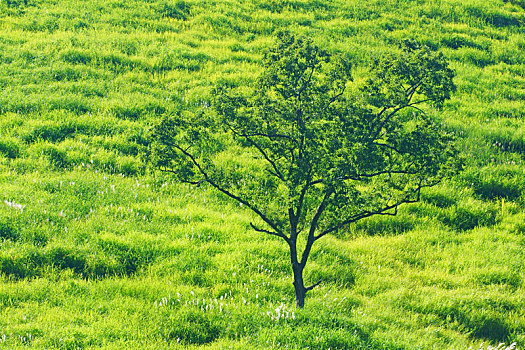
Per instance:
x=298, y=283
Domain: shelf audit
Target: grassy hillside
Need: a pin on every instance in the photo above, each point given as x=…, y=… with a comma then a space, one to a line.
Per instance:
x=99, y=251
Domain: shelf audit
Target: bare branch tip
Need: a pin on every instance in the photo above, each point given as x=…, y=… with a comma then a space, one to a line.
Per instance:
x=313, y=285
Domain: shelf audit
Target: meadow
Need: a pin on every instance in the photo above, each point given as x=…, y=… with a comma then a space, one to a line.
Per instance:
x=99, y=250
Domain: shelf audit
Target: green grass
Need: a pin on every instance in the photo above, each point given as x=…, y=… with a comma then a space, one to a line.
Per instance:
x=99, y=251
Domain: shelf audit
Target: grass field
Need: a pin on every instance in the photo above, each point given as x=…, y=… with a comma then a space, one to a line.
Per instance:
x=98, y=250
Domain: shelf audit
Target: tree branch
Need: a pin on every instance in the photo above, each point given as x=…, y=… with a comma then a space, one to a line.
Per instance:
x=273, y=163
x=167, y=170
x=382, y=111
x=418, y=102
x=313, y=286
x=387, y=146
x=381, y=211
x=313, y=226
x=228, y=193
x=270, y=233
x=394, y=111
x=405, y=172
x=358, y=177
x=302, y=195
x=412, y=90
x=334, y=98
x=305, y=82
x=269, y=136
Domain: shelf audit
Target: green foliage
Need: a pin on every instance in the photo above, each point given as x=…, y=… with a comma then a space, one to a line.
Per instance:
x=517, y=2
x=344, y=144
x=193, y=266
x=321, y=159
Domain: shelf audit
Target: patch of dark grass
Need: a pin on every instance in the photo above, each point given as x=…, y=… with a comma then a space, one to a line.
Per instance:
x=323, y=331
x=479, y=58
x=130, y=257
x=456, y=41
x=496, y=182
x=332, y=266
x=380, y=225
x=8, y=229
x=119, y=63
x=135, y=111
x=191, y=327
x=186, y=61
x=35, y=235
x=520, y=3
x=511, y=279
x=440, y=197
x=67, y=258
x=177, y=10
x=14, y=267
x=468, y=215
x=10, y=147
x=56, y=156
x=76, y=56
x=488, y=326
x=494, y=17
x=464, y=314
x=50, y=131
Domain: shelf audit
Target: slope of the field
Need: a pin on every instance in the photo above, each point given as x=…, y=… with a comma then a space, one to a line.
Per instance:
x=98, y=251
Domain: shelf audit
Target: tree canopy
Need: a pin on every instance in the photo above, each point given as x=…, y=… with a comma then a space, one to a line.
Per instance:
x=309, y=150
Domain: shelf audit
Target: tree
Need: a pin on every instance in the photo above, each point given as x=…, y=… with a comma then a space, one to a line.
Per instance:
x=308, y=150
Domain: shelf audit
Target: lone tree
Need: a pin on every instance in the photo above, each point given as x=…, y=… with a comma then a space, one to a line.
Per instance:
x=308, y=150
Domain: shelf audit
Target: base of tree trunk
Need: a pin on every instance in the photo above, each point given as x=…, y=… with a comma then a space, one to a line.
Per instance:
x=300, y=290
x=299, y=298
